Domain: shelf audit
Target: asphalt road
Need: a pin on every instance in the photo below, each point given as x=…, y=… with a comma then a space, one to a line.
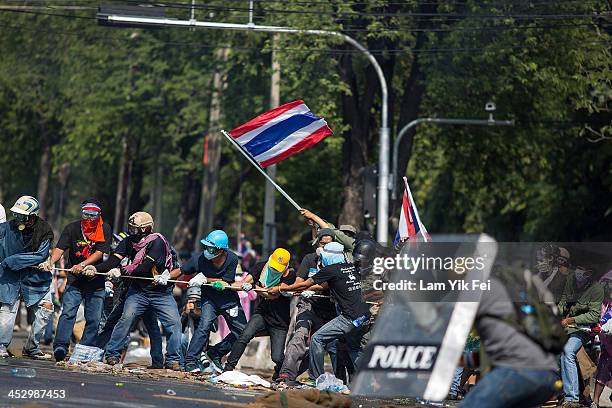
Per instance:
x=102, y=390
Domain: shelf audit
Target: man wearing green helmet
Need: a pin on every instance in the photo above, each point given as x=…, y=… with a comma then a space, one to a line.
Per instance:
x=215, y=264
x=25, y=246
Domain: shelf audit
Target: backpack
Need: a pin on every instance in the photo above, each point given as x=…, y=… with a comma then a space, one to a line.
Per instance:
x=536, y=314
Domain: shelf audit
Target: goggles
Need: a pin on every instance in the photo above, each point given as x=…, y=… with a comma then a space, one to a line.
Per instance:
x=561, y=261
x=22, y=217
x=90, y=215
x=212, y=250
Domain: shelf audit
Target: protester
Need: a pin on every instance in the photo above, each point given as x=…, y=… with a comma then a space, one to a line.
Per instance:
x=344, y=235
x=603, y=377
x=553, y=268
x=351, y=324
x=522, y=373
x=312, y=313
x=86, y=241
x=25, y=246
x=151, y=257
x=216, y=264
x=581, y=306
x=272, y=313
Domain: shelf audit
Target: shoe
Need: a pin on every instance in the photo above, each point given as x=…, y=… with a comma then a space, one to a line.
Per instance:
x=60, y=354
x=155, y=367
x=594, y=405
x=215, y=363
x=571, y=404
x=192, y=368
x=3, y=352
x=112, y=361
x=35, y=355
x=174, y=366
x=454, y=397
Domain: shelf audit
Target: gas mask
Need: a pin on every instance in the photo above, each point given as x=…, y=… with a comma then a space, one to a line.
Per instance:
x=23, y=221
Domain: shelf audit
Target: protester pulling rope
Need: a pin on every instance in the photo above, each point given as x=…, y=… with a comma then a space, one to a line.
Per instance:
x=207, y=284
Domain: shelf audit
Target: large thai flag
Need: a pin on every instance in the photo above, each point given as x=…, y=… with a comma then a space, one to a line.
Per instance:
x=277, y=134
x=410, y=226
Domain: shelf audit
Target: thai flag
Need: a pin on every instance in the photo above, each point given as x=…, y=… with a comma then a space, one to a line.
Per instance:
x=410, y=225
x=277, y=134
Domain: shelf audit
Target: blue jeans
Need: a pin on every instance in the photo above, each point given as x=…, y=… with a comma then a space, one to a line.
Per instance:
x=455, y=387
x=139, y=304
x=150, y=321
x=210, y=312
x=569, y=367
x=508, y=387
x=73, y=296
x=336, y=328
x=8, y=314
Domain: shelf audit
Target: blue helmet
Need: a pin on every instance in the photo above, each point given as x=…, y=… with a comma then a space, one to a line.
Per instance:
x=216, y=239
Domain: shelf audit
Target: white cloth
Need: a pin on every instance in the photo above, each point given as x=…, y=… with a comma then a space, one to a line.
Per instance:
x=238, y=378
x=2, y=214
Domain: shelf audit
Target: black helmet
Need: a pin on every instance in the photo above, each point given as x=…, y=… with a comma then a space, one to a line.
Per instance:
x=364, y=252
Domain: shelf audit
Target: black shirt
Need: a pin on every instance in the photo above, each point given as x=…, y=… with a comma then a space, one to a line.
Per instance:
x=274, y=311
x=323, y=307
x=344, y=285
x=198, y=263
x=155, y=250
x=79, y=249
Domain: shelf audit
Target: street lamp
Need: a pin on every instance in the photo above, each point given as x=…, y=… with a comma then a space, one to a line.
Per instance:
x=107, y=17
x=489, y=107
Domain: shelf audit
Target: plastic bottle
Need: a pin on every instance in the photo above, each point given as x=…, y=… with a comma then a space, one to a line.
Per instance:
x=23, y=372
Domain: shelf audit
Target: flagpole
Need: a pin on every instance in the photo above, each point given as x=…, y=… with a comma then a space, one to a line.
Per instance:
x=258, y=167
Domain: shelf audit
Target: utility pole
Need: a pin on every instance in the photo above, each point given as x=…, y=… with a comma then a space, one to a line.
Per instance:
x=269, y=232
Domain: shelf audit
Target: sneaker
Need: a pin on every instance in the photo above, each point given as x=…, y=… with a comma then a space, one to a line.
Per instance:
x=174, y=366
x=3, y=352
x=35, y=355
x=192, y=368
x=60, y=354
x=571, y=404
x=215, y=363
x=112, y=361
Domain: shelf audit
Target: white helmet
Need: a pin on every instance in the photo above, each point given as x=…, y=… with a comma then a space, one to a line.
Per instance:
x=2, y=214
x=26, y=205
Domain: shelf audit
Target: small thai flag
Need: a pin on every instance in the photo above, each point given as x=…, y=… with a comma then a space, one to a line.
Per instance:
x=277, y=134
x=410, y=225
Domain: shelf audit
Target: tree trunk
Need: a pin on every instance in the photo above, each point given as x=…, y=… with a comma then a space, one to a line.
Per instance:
x=355, y=112
x=44, y=170
x=210, y=177
x=184, y=231
x=156, y=194
x=123, y=180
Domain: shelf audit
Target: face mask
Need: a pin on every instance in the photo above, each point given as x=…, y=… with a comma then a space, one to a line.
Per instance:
x=89, y=224
x=581, y=277
x=211, y=253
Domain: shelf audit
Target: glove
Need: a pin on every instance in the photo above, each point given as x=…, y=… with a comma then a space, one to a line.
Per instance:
x=246, y=287
x=89, y=271
x=114, y=273
x=198, y=280
x=46, y=266
x=307, y=294
x=162, y=279
x=219, y=285
x=109, y=289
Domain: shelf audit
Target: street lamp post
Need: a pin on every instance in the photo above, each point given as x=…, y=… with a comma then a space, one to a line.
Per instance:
x=384, y=141
x=441, y=121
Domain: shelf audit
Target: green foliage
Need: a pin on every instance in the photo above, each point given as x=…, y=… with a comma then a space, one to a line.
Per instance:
x=93, y=86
